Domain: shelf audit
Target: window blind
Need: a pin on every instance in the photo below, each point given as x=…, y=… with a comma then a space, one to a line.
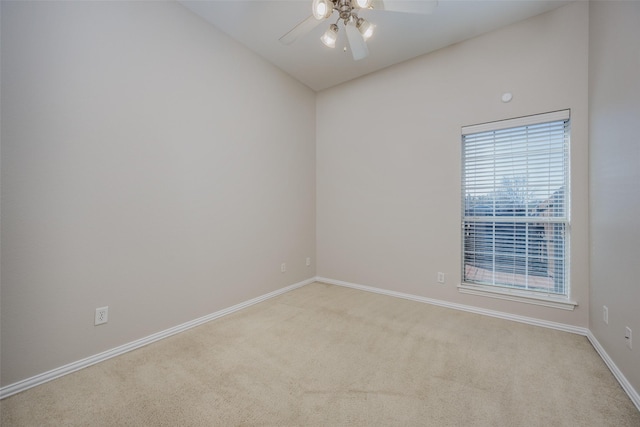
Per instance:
x=515, y=203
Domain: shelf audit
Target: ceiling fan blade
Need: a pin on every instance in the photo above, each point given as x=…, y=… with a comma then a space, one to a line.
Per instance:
x=300, y=30
x=357, y=44
x=405, y=6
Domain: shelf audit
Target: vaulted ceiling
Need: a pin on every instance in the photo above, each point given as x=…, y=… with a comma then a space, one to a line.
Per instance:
x=399, y=36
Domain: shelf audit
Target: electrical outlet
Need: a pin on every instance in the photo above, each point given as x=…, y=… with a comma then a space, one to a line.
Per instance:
x=440, y=277
x=283, y=267
x=308, y=261
x=102, y=315
x=605, y=314
x=628, y=336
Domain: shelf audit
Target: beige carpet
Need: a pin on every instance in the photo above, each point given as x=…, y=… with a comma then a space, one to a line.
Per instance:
x=332, y=356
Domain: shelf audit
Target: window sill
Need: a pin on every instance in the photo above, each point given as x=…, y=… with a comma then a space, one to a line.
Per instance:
x=518, y=295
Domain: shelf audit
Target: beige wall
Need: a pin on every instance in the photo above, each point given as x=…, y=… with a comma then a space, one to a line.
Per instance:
x=614, y=112
x=150, y=164
x=388, y=157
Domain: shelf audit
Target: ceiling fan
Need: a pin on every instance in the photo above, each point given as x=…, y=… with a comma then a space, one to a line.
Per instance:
x=358, y=29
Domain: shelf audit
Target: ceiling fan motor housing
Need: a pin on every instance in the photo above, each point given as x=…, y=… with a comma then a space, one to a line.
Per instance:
x=345, y=8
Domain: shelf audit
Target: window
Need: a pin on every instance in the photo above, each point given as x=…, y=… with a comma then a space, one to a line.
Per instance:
x=515, y=214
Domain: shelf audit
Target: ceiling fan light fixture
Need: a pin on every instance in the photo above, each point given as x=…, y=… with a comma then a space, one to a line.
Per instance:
x=365, y=27
x=322, y=9
x=357, y=30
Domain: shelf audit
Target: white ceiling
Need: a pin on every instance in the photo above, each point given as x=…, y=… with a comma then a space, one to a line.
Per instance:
x=258, y=24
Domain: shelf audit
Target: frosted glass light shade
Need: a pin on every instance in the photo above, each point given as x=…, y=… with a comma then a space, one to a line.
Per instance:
x=365, y=27
x=321, y=9
x=362, y=4
x=330, y=36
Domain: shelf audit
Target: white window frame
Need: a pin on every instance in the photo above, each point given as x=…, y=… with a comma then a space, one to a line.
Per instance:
x=537, y=297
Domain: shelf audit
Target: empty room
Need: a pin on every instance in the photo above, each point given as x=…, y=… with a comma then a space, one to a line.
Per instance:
x=319, y=212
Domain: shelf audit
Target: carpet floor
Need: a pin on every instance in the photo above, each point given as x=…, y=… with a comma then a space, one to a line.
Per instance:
x=323, y=355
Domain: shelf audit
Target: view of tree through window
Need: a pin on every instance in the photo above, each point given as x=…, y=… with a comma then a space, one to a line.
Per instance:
x=515, y=218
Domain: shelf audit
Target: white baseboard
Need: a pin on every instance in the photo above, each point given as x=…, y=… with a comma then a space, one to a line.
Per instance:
x=633, y=394
x=92, y=360
x=628, y=388
x=23, y=385
x=468, y=308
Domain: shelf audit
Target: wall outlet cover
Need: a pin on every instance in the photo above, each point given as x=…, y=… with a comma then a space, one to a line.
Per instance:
x=102, y=315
